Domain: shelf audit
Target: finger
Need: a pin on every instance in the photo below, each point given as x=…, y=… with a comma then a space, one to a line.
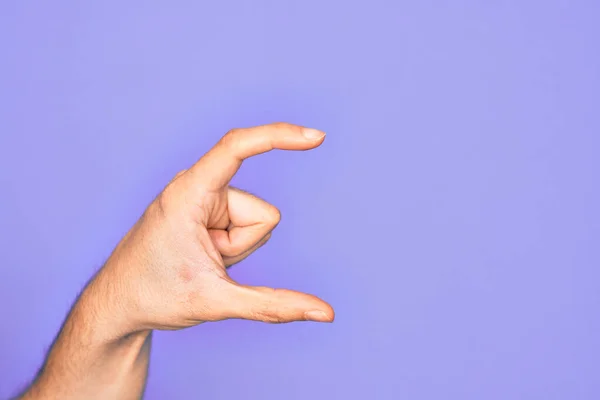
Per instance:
x=277, y=305
x=250, y=220
x=216, y=168
x=229, y=261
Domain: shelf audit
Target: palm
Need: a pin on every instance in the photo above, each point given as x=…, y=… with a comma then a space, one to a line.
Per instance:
x=208, y=226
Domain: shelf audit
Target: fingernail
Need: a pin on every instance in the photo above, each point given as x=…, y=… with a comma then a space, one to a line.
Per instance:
x=313, y=134
x=317, y=316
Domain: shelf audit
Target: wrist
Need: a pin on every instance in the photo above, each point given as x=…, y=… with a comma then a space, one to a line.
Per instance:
x=96, y=351
x=106, y=308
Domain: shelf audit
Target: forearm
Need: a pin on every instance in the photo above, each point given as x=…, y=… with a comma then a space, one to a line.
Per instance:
x=94, y=356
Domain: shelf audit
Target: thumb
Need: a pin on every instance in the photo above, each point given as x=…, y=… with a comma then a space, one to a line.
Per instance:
x=277, y=305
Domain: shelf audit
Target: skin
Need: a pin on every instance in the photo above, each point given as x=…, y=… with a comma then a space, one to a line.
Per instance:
x=169, y=272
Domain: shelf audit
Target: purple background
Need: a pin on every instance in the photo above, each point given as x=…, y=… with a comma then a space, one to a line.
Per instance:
x=451, y=217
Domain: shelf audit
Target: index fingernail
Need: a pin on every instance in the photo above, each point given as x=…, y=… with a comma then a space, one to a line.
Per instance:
x=313, y=134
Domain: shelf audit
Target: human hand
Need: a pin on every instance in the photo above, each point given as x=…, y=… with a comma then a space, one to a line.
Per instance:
x=169, y=271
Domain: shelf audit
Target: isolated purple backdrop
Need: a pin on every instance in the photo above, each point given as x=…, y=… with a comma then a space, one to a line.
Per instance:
x=451, y=216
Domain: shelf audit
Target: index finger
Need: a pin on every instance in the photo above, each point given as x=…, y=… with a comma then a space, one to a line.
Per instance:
x=216, y=168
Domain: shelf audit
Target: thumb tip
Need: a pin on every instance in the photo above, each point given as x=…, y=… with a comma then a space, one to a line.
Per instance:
x=319, y=316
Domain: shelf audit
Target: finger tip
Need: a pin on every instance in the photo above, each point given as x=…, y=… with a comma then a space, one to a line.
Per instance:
x=323, y=314
x=330, y=314
x=316, y=316
x=314, y=135
x=328, y=310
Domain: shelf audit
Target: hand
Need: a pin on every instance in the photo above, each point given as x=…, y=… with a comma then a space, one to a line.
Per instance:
x=169, y=271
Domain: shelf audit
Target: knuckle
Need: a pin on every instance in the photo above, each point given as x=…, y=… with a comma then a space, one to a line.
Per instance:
x=285, y=126
x=232, y=138
x=271, y=318
x=270, y=311
x=161, y=204
x=278, y=320
x=183, y=171
x=177, y=176
x=282, y=125
x=165, y=201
